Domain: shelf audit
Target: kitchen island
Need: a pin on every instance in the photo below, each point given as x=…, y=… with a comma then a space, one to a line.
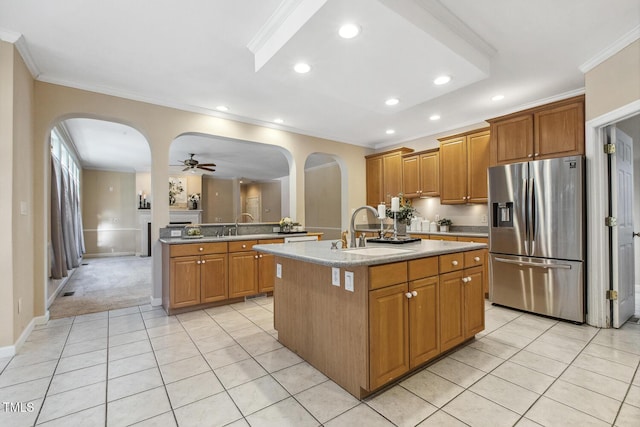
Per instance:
x=365, y=317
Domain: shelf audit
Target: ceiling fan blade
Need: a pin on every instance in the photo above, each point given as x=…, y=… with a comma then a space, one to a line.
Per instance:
x=206, y=164
x=186, y=169
x=206, y=168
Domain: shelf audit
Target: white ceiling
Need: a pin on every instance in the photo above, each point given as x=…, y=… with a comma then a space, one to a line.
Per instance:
x=199, y=54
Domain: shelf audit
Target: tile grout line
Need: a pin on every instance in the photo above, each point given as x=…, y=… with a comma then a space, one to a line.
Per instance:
x=635, y=374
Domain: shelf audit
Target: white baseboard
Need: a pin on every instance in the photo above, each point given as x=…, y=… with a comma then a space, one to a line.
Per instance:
x=11, y=350
x=155, y=302
x=109, y=254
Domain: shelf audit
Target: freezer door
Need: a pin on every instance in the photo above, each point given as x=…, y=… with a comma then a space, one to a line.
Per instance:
x=557, y=208
x=507, y=209
x=550, y=287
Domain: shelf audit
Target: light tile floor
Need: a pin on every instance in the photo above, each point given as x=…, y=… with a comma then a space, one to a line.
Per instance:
x=224, y=366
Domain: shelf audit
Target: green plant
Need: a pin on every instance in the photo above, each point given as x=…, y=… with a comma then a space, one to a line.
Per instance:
x=445, y=221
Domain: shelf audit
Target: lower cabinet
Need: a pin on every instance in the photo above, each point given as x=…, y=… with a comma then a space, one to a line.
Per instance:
x=249, y=272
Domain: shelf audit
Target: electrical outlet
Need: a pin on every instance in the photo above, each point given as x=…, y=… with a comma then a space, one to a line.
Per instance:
x=19, y=305
x=335, y=276
x=348, y=280
x=483, y=220
x=279, y=271
x=176, y=233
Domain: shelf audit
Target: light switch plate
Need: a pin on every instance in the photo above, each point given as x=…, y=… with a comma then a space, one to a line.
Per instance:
x=279, y=271
x=176, y=233
x=335, y=276
x=348, y=280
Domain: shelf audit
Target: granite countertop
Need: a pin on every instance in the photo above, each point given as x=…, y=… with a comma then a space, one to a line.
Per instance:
x=214, y=239
x=450, y=233
x=321, y=253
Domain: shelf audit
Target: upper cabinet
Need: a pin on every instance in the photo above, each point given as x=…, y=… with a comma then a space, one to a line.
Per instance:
x=421, y=174
x=552, y=130
x=384, y=175
x=464, y=160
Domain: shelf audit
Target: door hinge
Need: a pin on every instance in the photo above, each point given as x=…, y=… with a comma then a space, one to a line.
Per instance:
x=610, y=221
x=612, y=295
x=609, y=148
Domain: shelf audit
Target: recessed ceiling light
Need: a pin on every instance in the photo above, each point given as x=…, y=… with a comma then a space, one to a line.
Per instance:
x=392, y=101
x=434, y=117
x=390, y=132
x=302, y=68
x=442, y=80
x=279, y=121
x=349, y=31
x=222, y=108
x=497, y=97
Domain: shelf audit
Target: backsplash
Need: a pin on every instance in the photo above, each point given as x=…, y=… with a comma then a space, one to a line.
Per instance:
x=461, y=215
x=210, y=230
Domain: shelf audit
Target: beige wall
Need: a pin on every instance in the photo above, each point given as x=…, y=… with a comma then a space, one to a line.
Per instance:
x=270, y=192
x=17, y=198
x=322, y=187
x=161, y=125
x=109, y=209
x=613, y=83
x=217, y=199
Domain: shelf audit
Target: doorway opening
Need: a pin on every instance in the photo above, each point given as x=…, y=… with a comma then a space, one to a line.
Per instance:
x=623, y=172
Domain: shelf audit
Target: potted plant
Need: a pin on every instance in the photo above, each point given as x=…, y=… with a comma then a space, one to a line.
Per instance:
x=404, y=215
x=194, y=199
x=444, y=224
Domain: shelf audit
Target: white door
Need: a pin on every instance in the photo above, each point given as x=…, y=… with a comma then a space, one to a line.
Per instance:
x=254, y=209
x=622, y=256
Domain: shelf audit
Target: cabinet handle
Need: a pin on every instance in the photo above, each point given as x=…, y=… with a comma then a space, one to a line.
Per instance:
x=414, y=293
x=408, y=295
x=201, y=249
x=476, y=259
x=465, y=279
x=454, y=262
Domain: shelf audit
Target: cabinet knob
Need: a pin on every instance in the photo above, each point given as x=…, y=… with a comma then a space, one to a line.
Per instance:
x=203, y=261
x=244, y=246
x=414, y=293
x=465, y=279
x=529, y=155
x=469, y=279
x=198, y=262
x=464, y=197
x=536, y=154
x=255, y=256
x=408, y=295
x=201, y=249
x=454, y=262
x=476, y=259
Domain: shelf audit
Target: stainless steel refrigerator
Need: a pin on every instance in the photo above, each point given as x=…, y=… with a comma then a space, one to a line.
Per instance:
x=537, y=237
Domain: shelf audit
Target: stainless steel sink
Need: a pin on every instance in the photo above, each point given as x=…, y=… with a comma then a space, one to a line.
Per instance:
x=378, y=251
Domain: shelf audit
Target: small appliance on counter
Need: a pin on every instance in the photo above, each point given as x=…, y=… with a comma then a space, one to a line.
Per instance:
x=537, y=237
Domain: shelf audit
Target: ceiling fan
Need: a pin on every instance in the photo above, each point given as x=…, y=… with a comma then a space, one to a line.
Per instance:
x=192, y=164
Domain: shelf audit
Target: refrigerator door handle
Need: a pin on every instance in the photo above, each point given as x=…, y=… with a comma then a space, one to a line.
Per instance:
x=533, y=264
x=532, y=215
x=527, y=215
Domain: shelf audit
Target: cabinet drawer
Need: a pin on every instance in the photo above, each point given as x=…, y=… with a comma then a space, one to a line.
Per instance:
x=474, y=239
x=424, y=267
x=473, y=258
x=269, y=241
x=451, y=262
x=189, y=249
x=242, y=245
x=387, y=274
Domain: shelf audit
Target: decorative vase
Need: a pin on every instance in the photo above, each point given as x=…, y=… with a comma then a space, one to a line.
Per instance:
x=402, y=229
x=286, y=228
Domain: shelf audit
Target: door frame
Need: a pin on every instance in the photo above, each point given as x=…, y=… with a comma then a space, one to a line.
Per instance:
x=598, y=311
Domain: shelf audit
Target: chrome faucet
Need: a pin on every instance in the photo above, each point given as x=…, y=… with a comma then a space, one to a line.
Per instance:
x=240, y=216
x=353, y=219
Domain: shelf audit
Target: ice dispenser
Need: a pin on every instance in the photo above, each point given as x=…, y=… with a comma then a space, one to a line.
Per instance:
x=502, y=214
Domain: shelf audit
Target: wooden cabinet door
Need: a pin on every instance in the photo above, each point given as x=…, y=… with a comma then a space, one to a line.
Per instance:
x=424, y=322
x=243, y=274
x=392, y=172
x=478, y=161
x=451, y=310
x=512, y=140
x=374, y=181
x=474, y=301
x=559, y=131
x=213, y=278
x=185, y=281
x=430, y=174
x=266, y=272
x=453, y=171
x=388, y=334
x=411, y=176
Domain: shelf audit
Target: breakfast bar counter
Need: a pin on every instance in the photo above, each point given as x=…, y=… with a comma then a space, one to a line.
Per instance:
x=366, y=317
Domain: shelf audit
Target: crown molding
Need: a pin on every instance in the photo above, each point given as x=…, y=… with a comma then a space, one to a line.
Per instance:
x=20, y=43
x=611, y=50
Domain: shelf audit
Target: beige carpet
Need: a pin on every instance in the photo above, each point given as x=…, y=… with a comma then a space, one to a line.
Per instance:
x=101, y=284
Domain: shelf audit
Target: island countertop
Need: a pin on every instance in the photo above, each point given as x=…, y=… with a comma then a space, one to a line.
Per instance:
x=321, y=253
